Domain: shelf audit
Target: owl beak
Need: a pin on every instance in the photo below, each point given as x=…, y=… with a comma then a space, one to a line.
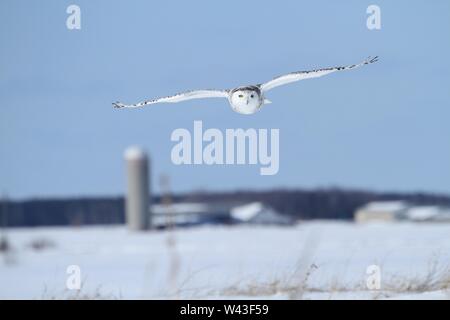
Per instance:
x=247, y=101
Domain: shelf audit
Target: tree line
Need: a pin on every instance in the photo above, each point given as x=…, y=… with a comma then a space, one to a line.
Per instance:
x=331, y=203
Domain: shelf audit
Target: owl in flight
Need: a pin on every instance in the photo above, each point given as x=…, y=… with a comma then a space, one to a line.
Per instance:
x=246, y=99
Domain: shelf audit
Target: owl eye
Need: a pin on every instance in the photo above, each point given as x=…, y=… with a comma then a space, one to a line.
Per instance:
x=241, y=96
x=251, y=96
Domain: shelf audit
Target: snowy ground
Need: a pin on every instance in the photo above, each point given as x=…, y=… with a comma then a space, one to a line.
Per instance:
x=314, y=260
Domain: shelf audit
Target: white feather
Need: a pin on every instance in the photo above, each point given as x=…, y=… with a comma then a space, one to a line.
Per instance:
x=195, y=94
x=302, y=75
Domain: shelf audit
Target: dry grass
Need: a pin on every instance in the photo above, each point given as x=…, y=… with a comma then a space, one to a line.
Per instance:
x=4, y=244
x=80, y=294
x=296, y=285
x=435, y=279
x=41, y=244
x=292, y=286
x=7, y=251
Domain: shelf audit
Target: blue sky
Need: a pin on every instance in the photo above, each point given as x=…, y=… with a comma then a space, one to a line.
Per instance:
x=382, y=127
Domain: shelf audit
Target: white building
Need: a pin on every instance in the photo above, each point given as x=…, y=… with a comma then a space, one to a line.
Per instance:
x=258, y=213
x=184, y=214
x=381, y=211
x=428, y=213
x=401, y=211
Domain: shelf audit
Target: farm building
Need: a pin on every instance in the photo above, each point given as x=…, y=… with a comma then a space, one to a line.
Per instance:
x=381, y=211
x=401, y=211
x=186, y=214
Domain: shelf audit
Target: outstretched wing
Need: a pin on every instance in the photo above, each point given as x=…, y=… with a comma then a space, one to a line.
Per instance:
x=194, y=94
x=302, y=75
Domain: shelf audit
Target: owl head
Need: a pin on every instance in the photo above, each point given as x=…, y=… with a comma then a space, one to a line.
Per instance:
x=246, y=100
x=244, y=97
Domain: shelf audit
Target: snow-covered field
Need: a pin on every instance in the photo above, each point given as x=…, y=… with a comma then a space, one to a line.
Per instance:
x=313, y=260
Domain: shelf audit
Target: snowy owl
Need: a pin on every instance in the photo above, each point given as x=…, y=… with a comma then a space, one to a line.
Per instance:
x=246, y=99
